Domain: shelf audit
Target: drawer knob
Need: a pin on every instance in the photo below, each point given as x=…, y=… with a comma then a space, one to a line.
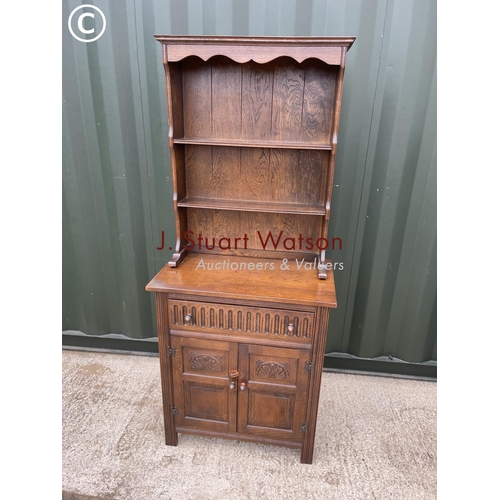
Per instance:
x=232, y=386
x=188, y=319
x=291, y=328
x=243, y=386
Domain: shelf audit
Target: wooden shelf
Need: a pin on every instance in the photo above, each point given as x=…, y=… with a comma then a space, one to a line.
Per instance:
x=254, y=144
x=252, y=206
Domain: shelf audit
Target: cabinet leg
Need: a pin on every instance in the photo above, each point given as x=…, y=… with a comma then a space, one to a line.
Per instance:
x=171, y=437
x=306, y=456
x=165, y=369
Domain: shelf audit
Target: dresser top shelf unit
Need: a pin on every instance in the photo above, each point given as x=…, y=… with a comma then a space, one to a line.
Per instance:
x=253, y=136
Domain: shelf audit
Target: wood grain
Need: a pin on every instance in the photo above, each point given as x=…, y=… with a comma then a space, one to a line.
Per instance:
x=274, y=403
x=315, y=384
x=197, y=103
x=288, y=92
x=226, y=98
x=250, y=143
x=317, y=111
x=173, y=82
x=262, y=41
x=240, y=436
x=171, y=437
x=257, y=90
x=177, y=99
x=223, y=317
x=246, y=53
x=266, y=231
x=251, y=206
x=259, y=176
x=242, y=302
x=200, y=371
x=243, y=337
x=292, y=286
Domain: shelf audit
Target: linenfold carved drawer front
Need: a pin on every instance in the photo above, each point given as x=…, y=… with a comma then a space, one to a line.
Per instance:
x=232, y=318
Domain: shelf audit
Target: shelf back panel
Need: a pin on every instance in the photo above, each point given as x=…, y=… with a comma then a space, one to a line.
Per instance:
x=282, y=100
x=256, y=174
x=267, y=233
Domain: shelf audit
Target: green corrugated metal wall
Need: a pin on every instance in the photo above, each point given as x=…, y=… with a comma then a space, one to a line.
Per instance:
x=116, y=169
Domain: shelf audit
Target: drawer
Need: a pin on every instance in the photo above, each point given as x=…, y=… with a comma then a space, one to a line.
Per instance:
x=189, y=315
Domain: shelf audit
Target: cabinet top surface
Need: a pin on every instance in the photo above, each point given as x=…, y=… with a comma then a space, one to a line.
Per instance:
x=208, y=275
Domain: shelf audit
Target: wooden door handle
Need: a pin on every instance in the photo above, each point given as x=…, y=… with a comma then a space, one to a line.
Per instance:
x=234, y=374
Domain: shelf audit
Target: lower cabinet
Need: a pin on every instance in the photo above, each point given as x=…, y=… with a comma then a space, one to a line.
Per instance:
x=240, y=389
x=247, y=370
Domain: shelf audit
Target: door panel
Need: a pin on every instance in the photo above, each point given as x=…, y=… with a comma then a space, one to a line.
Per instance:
x=273, y=403
x=201, y=383
x=268, y=408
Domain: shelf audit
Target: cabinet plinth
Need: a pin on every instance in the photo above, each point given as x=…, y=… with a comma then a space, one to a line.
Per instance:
x=243, y=304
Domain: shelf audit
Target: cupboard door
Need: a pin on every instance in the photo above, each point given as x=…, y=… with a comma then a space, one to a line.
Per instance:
x=272, y=393
x=203, y=393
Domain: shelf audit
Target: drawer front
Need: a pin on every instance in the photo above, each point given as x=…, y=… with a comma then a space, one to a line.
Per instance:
x=208, y=316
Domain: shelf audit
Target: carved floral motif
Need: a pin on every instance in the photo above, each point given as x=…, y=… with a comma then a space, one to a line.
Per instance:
x=205, y=362
x=273, y=369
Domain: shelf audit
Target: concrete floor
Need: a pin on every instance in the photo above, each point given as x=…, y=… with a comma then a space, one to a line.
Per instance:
x=375, y=439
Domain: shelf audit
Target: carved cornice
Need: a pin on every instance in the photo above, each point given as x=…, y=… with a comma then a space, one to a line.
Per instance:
x=258, y=49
